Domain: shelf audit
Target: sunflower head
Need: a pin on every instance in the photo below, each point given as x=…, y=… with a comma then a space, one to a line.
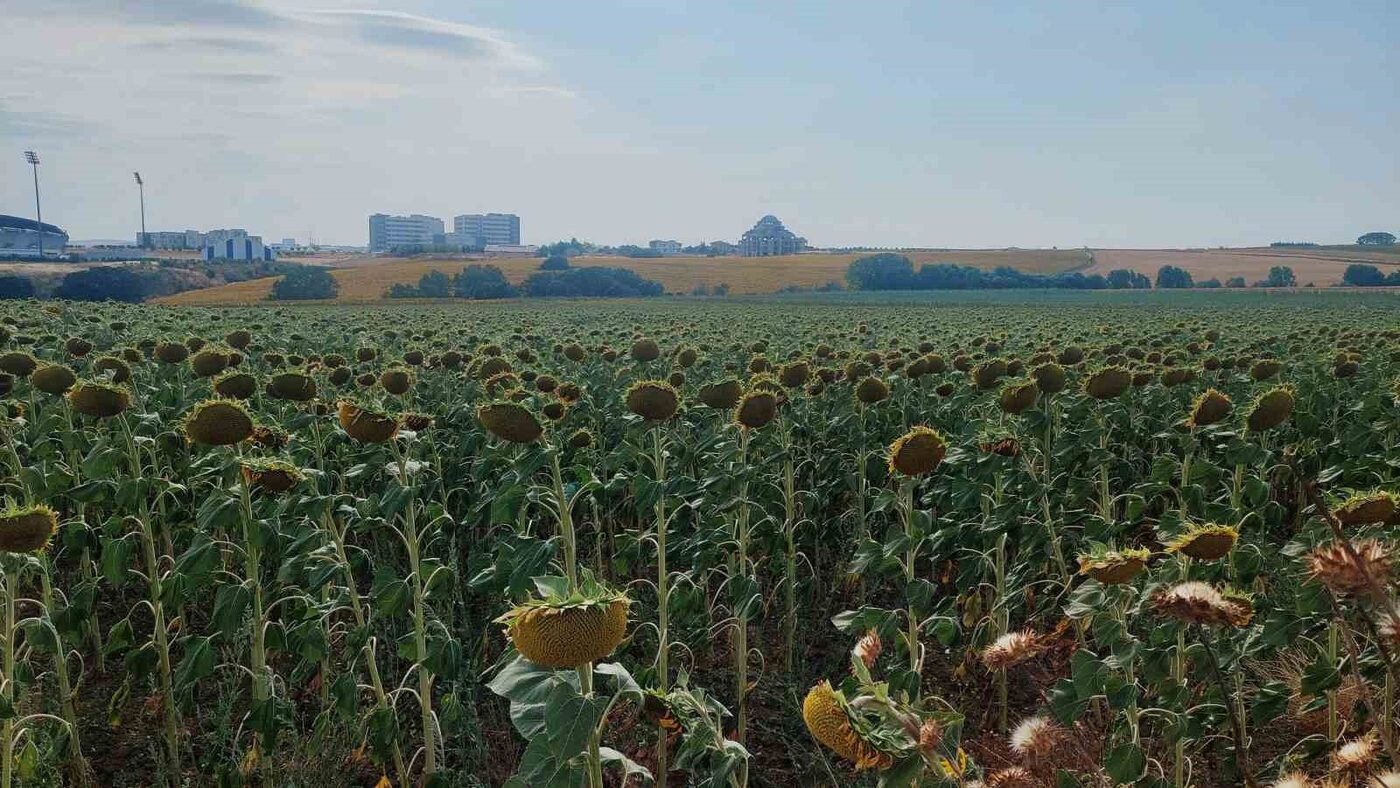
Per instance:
x=1271, y=409
x=653, y=400
x=1114, y=567
x=1012, y=648
x=208, y=362
x=18, y=363
x=99, y=400
x=171, y=352
x=510, y=421
x=1108, y=383
x=832, y=722
x=1035, y=739
x=270, y=477
x=567, y=630
x=917, y=451
x=235, y=385
x=53, y=379
x=364, y=424
x=645, y=350
x=1367, y=508
x=755, y=409
x=27, y=529
x=1050, y=377
x=1018, y=396
x=218, y=422
x=1210, y=407
x=1205, y=541
x=293, y=386
x=871, y=390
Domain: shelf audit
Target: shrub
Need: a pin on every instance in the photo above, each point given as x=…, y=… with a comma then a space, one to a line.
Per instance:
x=305, y=284
x=103, y=283
x=589, y=282
x=15, y=287
x=482, y=282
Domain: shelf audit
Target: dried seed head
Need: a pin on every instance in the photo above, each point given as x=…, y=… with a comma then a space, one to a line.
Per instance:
x=868, y=648
x=653, y=400
x=1114, y=567
x=1271, y=409
x=1011, y=649
x=1012, y=777
x=1210, y=407
x=1361, y=508
x=1197, y=603
x=1293, y=780
x=1036, y=738
x=1356, y=756
x=930, y=737
x=1332, y=566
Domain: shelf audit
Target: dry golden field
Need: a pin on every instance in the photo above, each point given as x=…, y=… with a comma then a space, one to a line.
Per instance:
x=366, y=278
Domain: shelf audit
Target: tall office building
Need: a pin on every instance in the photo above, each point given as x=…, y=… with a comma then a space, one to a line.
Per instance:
x=489, y=228
x=386, y=232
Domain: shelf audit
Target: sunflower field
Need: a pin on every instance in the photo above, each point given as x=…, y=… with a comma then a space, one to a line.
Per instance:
x=1088, y=542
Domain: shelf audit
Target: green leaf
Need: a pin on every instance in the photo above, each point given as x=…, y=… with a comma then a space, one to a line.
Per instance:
x=197, y=664
x=1125, y=762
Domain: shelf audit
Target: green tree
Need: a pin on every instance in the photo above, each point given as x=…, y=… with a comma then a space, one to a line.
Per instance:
x=1376, y=239
x=1235, y=281
x=15, y=287
x=555, y=262
x=1172, y=278
x=103, y=283
x=881, y=272
x=1124, y=279
x=481, y=282
x=1280, y=276
x=1361, y=275
x=306, y=283
x=435, y=284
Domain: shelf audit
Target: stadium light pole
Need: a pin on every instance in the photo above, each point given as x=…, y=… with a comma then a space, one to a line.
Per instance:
x=141, y=187
x=33, y=159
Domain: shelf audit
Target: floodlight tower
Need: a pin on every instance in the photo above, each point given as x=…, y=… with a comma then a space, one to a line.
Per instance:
x=33, y=159
x=141, y=187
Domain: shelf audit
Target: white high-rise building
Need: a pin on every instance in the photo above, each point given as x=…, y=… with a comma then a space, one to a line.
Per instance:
x=386, y=232
x=489, y=228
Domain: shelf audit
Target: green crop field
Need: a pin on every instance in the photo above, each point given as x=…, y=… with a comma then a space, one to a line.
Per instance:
x=997, y=538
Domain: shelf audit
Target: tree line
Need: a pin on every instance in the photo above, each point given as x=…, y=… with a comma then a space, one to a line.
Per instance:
x=554, y=279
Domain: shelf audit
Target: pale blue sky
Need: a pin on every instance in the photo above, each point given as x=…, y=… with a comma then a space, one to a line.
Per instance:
x=878, y=123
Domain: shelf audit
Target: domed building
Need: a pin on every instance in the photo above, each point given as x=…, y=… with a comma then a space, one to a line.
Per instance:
x=20, y=237
x=769, y=238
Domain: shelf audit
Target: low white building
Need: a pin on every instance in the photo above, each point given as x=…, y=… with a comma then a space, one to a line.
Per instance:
x=235, y=245
x=666, y=247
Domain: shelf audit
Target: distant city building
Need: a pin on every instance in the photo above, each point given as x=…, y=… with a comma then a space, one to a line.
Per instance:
x=387, y=232
x=723, y=247
x=235, y=245
x=25, y=237
x=666, y=247
x=460, y=242
x=489, y=228
x=768, y=238
x=171, y=239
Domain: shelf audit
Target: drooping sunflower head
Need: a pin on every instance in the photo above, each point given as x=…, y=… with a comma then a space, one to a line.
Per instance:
x=831, y=722
x=653, y=400
x=1210, y=407
x=1114, y=567
x=292, y=386
x=510, y=421
x=756, y=409
x=1198, y=603
x=1332, y=565
x=417, y=421
x=218, y=422
x=568, y=631
x=502, y=382
x=1367, y=508
x=99, y=400
x=1271, y=409
x=871, y=390
x=366, y=424
x=1050, y=377
x=18, y=363
x=270, y=477
x=396, y=380
x=917, y=451
x=1108, y=383
x=722, y=395
x=208, y=362
x=1205, y=541
x=53, y=379
x=645, y=350
x=1018, y=396
x=235, y=385
x=171, y=352
x=27, y=529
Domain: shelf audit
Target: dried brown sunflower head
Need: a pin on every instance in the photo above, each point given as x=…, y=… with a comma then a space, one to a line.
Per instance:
x=1198, y=603
x=1332, y=566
